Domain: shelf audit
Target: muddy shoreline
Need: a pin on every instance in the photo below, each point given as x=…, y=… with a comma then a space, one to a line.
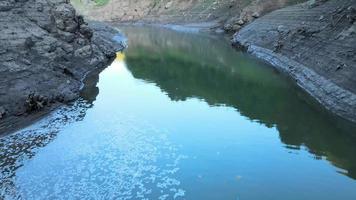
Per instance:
x=14, y=123
x=45, y=56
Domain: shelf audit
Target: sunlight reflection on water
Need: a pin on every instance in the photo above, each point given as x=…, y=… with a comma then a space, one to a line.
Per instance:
x=111, y=157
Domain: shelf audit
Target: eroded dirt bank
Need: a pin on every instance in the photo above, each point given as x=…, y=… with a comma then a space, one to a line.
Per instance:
x=46, y=49
x=229, y=15
x=315, y=44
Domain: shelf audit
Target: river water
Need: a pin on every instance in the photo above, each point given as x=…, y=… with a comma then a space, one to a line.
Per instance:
x=183, y=116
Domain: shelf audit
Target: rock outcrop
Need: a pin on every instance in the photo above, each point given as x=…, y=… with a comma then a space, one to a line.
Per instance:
x=46, y=49
x=314, y=43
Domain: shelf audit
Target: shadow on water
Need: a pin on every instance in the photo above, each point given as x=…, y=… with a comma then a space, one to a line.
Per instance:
x=186, y=66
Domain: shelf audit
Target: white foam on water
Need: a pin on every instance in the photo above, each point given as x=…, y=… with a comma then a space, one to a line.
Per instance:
x=22, y=145
x=116, y=157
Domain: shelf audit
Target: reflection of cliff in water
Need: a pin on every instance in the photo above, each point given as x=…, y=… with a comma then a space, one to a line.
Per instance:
x=186, y=66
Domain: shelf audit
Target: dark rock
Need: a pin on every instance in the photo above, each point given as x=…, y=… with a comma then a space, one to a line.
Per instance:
x=83, y=52
x=39, y=7
x=351, y=15
x=71, y=26
x=80, y=20
x=65, y=12
x=228, y=27
x=315, y=3
x=2, y=112
x=66, y=36
x=67, y=48
x=39, y=51
x=6, y=5
x=340, y=66
x=86, y=31
x=52, y=47
x=35, y=102
x=107, y=39
x=29, y=42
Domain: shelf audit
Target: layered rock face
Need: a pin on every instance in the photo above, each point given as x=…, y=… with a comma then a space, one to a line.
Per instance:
x=254, y=10
x=315, y=43
x=231, y=14
x=45, y=51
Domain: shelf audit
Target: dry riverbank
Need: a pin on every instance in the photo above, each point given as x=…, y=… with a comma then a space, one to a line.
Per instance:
x=314, y=44
x=229, y=16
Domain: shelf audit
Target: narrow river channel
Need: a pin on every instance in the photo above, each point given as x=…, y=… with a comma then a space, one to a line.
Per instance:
x=183, y=116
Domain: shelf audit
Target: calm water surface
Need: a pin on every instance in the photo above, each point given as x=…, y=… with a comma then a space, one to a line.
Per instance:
x=182, y=116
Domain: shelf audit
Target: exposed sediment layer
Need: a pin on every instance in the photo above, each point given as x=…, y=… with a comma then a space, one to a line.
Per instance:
x=46, y=49
x=314, y=44
x=229, y=15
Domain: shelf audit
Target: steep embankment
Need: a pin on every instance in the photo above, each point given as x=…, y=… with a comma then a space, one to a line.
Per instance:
x=45, y=51
x=315, y=44
x=230, y=14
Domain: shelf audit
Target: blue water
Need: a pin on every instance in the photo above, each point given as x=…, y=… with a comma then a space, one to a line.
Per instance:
x=183, y=116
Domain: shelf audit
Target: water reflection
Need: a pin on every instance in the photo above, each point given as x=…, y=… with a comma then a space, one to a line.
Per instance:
x=186, y=66
x=186, y=119
x=82, y=153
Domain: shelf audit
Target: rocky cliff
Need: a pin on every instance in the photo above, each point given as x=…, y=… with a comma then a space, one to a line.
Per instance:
x=314, y=43
x=45, y=51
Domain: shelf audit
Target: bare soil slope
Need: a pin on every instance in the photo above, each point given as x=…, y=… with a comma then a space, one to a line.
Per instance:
x=231, y=14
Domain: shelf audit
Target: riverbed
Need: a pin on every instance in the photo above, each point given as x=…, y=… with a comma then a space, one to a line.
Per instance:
x=183, y=116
